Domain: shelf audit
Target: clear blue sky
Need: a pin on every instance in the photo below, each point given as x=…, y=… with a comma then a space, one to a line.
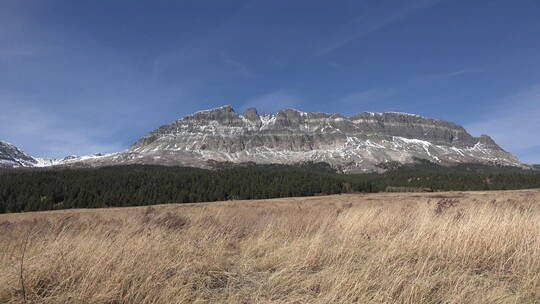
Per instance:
x=80, y=77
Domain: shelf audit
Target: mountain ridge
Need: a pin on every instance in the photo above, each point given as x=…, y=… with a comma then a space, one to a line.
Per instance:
x=358, y=143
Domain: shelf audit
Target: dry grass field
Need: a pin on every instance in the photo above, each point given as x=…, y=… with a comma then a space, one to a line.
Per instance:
x=454, y=247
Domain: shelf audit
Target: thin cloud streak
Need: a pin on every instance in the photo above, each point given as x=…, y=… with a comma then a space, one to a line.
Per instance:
x=363, y=26
x=384, y=93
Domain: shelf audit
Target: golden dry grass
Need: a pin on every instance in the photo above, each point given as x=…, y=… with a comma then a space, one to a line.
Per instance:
x=481, y=247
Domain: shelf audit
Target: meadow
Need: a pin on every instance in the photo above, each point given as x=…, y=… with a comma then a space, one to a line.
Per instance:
x=447, y=247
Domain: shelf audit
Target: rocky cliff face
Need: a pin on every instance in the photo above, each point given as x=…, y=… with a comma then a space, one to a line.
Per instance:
x=11, y=157
x=358, y=143
x=351, y=144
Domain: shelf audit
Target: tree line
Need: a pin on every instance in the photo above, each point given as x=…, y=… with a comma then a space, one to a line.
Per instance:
x=136, y=185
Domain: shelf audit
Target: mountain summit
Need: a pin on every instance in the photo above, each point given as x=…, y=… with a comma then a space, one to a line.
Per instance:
x=359, y=143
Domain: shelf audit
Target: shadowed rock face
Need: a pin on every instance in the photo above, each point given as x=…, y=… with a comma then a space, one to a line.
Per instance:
x=352, y=144
x=11, y=157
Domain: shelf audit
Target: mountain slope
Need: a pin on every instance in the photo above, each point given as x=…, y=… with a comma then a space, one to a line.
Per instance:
x=350, y=144
x=12, y=157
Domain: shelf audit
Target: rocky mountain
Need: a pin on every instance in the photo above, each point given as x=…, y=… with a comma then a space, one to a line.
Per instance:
x=12, y=157
x=359, y=143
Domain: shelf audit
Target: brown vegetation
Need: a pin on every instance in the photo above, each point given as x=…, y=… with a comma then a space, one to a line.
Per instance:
x=481, y=247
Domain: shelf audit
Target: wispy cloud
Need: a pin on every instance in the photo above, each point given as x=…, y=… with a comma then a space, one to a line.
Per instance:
x=514, y=124
x=62, y=92
x=272, y=102
x=238, y=66
x=374, y=15
x=383, y=93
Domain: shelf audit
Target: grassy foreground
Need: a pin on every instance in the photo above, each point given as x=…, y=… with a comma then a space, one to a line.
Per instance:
x=458, y=247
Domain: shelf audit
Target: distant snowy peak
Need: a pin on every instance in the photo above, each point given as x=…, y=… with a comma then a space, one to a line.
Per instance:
x=71, y=160
x=12, y=157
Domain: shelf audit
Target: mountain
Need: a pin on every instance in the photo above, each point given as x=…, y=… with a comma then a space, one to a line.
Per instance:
x=359, y=143
x=12, y=157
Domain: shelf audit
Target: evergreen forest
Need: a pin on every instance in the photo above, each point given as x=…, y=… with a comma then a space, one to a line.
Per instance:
x=136, y=185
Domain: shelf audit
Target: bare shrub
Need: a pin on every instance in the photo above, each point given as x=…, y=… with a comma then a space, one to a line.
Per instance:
x=171, y=220
x=444, y=204
x=168, y=220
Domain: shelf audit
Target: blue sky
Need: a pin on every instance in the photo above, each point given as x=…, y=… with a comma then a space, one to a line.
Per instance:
x=81, y=77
